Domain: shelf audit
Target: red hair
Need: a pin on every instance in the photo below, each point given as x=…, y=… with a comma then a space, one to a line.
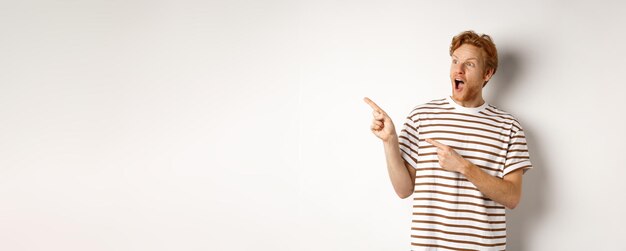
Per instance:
x=482, y=41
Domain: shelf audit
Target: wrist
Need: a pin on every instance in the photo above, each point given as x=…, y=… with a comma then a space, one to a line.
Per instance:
x=467, y=168
x=391, y=140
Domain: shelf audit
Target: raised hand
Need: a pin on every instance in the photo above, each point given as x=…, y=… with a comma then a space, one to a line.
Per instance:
x=382, y=126
x=449, y=159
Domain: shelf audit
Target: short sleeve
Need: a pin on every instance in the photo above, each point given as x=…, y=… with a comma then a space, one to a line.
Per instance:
x=517, y=155
x=409, y=141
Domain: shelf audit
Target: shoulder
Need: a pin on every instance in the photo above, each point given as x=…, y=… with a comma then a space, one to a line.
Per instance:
x=509, y=118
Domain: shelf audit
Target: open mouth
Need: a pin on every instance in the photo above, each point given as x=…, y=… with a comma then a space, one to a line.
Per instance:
x=458, y=84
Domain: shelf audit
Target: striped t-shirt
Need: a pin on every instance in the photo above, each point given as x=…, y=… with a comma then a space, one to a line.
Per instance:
x=449, y=212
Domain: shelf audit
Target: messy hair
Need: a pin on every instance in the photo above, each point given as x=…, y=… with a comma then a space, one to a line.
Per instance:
x=482, y=41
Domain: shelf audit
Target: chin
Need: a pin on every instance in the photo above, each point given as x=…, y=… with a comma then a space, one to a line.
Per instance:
x=458, y=95
x=461, y=97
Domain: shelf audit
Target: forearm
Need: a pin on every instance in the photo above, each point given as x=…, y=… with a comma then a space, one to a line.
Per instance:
x=398, y=172
x=499, y=190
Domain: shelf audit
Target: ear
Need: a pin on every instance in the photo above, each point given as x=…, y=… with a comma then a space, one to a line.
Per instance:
x=487, y=76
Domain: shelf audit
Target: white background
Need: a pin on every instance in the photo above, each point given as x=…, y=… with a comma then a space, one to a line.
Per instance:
x=240, y=125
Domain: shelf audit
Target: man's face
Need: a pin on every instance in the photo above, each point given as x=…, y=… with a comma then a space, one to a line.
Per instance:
x=467, y=73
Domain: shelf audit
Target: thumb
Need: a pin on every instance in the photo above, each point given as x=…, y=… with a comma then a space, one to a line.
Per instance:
x=379, y=115
x=386, y=119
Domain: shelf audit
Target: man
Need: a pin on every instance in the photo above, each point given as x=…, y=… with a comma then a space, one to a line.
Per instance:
x=460, y=157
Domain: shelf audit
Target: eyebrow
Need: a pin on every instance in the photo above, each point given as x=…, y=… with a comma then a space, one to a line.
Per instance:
x=466, y=59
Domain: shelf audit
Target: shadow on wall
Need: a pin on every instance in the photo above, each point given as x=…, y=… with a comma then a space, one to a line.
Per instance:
x=522, y=221
x=509, y=66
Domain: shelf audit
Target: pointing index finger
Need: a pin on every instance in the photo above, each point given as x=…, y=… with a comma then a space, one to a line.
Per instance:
x=373, y=105
x=436, y=143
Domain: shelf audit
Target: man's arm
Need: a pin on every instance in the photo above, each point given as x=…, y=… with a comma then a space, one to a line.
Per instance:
x=506, y=191
x=402, y=174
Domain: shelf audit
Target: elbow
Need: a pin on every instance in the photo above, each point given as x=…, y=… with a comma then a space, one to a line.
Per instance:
x=514, y=198
x=513, y=203
x=510, y=206
x=404, y=194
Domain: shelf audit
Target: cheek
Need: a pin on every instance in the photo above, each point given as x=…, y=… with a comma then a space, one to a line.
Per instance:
x=476, y=77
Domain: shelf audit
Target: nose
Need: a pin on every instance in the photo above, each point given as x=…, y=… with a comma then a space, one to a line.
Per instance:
x=458, y=68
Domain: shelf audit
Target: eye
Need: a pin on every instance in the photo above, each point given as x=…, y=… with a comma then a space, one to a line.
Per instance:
x=470, y=64
x=454, y=61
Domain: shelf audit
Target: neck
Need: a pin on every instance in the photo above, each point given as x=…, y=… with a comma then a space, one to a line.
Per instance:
x=475, y=102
